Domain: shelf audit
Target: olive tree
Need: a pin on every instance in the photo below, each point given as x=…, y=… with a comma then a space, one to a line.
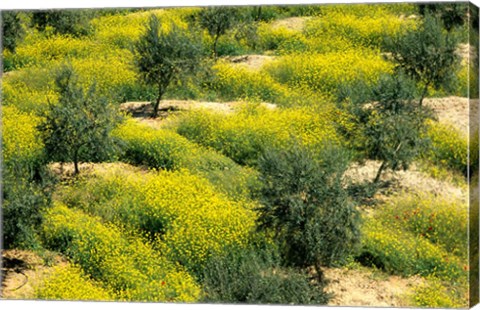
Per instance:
x=12, y=30
x=306, y=206
x=452, y=14
x=217, y=20
x=385, y=122
x=77, y=127
x=427, y=55
x=162, y=55
x=72, y=22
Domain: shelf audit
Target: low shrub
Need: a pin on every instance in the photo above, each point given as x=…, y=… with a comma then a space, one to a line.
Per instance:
x=40, y=50
x=126, y=264
x=371, y=10
x=29, y=89
x=400, y=252
x=120, y=31
x=367, y=31
x=442, y=221
x=324, y=73
x=448, y=147
x=165, y=149
x=70, y=283
x=20, y=140
x=25, y=191
x=438, y=294
x=280, y=39
x=418, y=235
x=254, y=276
x=234, y=83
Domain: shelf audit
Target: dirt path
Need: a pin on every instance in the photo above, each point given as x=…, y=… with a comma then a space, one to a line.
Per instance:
x=366, y=287
x=23, y=271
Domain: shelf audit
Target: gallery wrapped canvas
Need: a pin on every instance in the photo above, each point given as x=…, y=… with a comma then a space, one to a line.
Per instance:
x=308, y=154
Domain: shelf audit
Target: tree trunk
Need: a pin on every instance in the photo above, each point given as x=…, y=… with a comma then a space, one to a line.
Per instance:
x=319, y=272
x=215, y=41
x=259, y=14
x=157, y=102
x=379, y=172
x=75, y=163
x=424, y=93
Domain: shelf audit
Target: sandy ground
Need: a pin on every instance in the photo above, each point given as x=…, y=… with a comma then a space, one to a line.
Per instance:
x=410, y=181
x=454, y=110
x=368, y=287
x=22, y=271
x=291, y=23
x=251, y=62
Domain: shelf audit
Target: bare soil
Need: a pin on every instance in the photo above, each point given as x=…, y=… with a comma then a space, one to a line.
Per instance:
x=291, y=23
x=251, y=62
x=368, y=287
x=454, y=110
x=410, y=181
x=23, y=271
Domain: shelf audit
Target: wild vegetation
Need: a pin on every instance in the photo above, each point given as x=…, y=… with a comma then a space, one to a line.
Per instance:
x=255, y=199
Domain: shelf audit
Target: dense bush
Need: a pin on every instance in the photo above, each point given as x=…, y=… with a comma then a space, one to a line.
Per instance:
x=125, y=264
x=306, y=206
x=70, y=283
x=254, y=275
x=184, y=213
x=12, y=31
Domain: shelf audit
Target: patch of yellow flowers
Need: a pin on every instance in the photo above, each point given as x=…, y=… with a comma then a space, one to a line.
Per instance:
x=166, y=149
x=69, y=282
x=125, y=263
x=188, y=217
x=419, y=235
x=19, y=135
x=243, y=135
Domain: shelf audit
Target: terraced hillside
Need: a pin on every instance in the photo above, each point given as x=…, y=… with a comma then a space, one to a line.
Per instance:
x=295, y=161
